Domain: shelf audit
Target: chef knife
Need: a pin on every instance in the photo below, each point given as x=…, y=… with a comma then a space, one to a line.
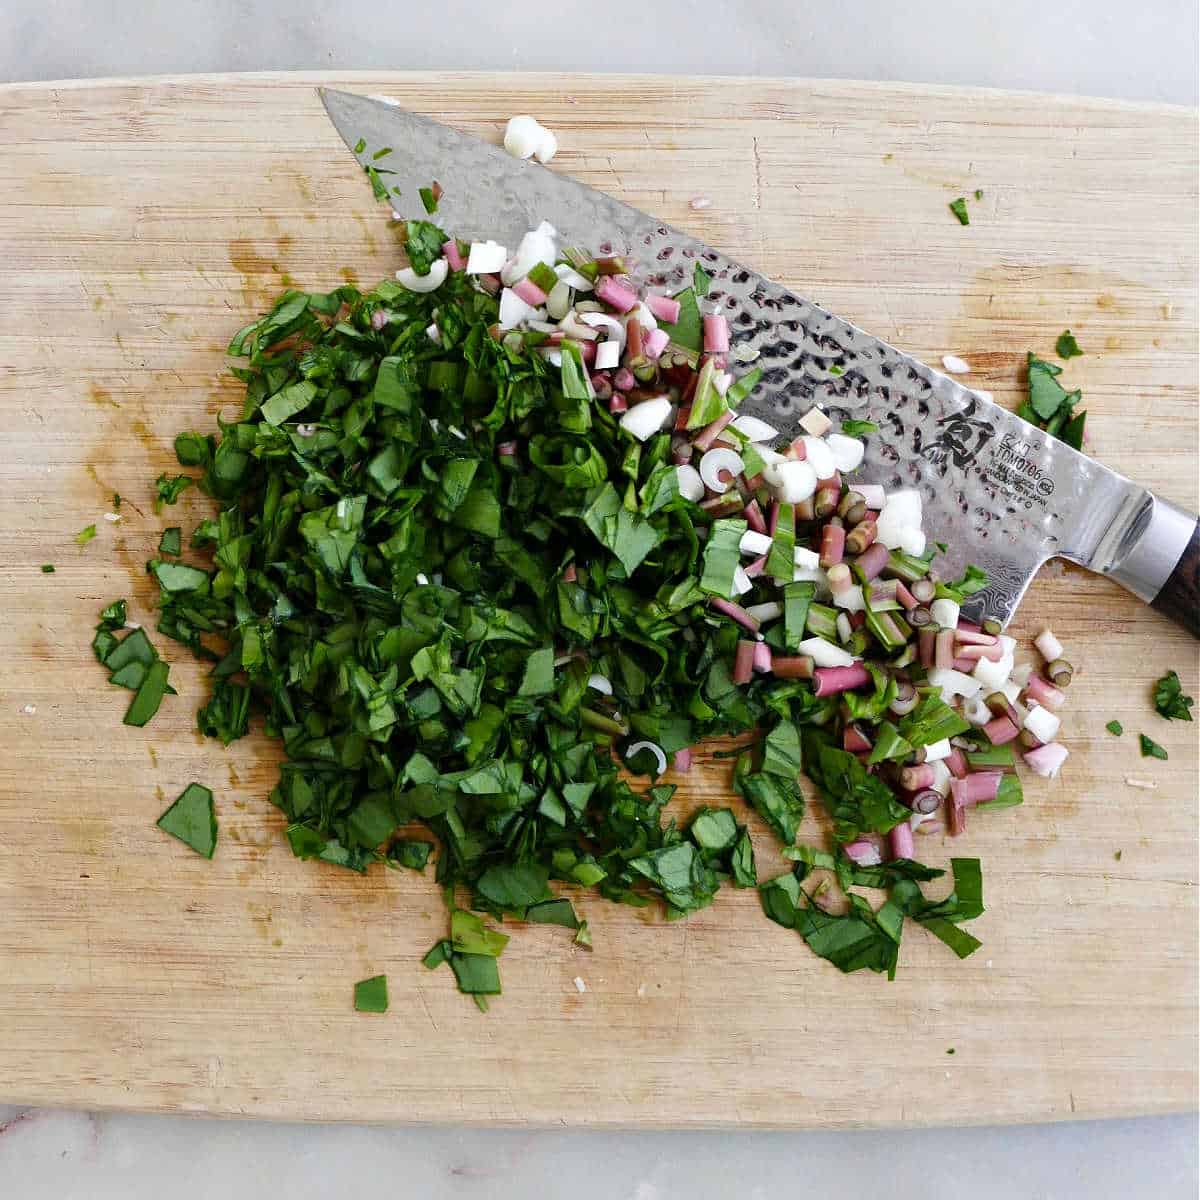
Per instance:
x=998, y=491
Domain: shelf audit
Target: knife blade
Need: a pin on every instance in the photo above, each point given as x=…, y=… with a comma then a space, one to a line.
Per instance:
x=996, y=490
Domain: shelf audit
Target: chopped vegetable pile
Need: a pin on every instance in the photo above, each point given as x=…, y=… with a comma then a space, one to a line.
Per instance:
x=491, y=529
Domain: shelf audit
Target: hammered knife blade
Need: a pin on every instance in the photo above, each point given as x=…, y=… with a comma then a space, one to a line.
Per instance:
x=998, y=491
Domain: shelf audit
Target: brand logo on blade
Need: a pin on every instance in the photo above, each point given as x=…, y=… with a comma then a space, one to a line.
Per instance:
x=966, y=440
x=961, y=438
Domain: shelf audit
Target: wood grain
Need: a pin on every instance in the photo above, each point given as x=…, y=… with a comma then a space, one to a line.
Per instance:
x=143, y=221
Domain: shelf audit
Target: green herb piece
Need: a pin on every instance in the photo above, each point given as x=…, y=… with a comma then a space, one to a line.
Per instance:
x=797, y=597
x=360, y=146
x=168, y=489
x=371, y=995
x=858, y=801
x=515, y=885
x=859, y=428
x=1046, y=395
x=381, y=153
x=553, y=912
x=379, y=189
x=714, y=830
x=973, y=579
x=701, y=280
x=687, y=331
x=423, y=244
x=85, y=535
x=1169, y=700
x=192, y=819
x=134, y=647
x=115, y=615
x=1050, y=406
x=680, y=874
x=428, y=199
x=979, y=193
x=722, y=556
x=149, y=695
x=1150, y=748
x=777, y=799
x=742, y=387
x=781, y=562
x=411, y=853
x=1066, y=346
x=959, y=209
x=47, y=568
x=469, y=935
x=1115, y=728
x=171, y=541
x=227, y=713
x=889, y=744
x=707, y=401
x=741, y=862
x=1117, y=855
x=932, y=721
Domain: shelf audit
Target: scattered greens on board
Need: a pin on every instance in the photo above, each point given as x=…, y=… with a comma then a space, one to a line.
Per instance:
x=418, y=618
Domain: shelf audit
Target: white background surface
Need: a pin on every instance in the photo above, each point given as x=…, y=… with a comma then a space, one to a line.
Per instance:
x=1146, y=51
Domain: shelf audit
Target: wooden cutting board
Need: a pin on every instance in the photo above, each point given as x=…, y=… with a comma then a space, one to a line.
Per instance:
x=142, y=222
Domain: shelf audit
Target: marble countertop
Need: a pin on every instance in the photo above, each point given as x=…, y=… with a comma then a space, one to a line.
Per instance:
x=1095, y=47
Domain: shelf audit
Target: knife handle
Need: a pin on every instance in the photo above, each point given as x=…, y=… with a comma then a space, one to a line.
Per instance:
x=1160, y=562
x=1179, y=597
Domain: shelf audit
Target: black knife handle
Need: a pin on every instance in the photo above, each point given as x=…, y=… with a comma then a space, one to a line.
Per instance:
x=1179, y=597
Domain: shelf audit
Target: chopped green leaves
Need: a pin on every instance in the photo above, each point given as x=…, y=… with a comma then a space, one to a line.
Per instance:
x=371, y=995
x=227, y=714
x=1169, y=700
x=1115, y=728
x=442, y=575
x=1050, y=406
x=1150, y=748
x=85, y=535
x=858, y=802
x=423, y=243
x=959, y=209
x=192, y=819
x=47, y=568
x=859, y=429
x=168, y=489
x=862, y=936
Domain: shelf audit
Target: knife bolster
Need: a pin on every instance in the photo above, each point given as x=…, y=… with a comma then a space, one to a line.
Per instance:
x=1179, y=597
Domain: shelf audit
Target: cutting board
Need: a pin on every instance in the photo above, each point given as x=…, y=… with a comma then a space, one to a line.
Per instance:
x=142, y=222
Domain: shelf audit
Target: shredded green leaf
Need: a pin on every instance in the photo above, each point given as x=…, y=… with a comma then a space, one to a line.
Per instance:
x=371, y=995
x=1169, y=700
x=192, y=819
x=959, y=209
x=1150, y=748
x=1066, y=346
